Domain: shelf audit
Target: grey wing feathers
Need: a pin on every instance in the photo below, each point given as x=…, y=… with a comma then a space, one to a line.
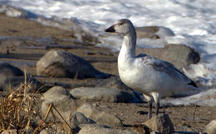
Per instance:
x=168, y=68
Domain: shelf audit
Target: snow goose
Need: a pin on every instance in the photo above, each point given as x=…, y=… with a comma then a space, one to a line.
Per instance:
x=153, y=77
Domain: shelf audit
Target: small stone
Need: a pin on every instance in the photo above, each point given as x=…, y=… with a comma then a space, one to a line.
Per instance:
x=57, y=128
x=44, y=132
x=155, y=132
x=11, y=131
x=79, y=118
x=61, y=99
x=141, y=129
x=96, y=129
x=211, y=127
x=100, y=117
x=161, y=123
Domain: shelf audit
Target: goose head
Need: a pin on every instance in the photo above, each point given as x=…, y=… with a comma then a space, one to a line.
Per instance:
x=123, y=26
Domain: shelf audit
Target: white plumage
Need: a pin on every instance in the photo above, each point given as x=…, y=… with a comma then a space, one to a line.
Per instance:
x=153, y=77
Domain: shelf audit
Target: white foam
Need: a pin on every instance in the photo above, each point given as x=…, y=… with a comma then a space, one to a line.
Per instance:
x=205, y=98
x=163, y=32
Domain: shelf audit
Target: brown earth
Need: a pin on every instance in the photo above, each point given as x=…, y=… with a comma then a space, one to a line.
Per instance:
x=25, y=53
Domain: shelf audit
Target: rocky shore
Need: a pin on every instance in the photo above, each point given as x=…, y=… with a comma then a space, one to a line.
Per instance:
x=76, y=84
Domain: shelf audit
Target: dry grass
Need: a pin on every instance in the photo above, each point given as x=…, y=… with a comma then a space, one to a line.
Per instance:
x=19, y=110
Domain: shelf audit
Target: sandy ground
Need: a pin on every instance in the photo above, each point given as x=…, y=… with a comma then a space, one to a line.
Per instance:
x=185, y=118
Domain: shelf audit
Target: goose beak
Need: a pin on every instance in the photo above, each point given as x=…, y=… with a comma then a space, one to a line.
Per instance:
x=110, y=29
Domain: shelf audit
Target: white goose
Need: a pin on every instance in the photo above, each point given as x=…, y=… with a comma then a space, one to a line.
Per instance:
x=153, y=77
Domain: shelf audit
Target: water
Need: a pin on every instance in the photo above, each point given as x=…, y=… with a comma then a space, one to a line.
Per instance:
x=193, y=22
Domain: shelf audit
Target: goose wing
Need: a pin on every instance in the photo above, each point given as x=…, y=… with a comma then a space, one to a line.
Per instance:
x=165, y=67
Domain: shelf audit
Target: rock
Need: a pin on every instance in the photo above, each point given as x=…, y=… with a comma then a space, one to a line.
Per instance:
x=115, y=82
x=79, y=118
x=95, y=129
x=155, y=132
x=58, y=63
x=102, y=94
x=141, y=129
x=44, y=131
x=10, y=131
x=154, y=32
x=179, y=55
x=33, y=85
x=8, y=70
x=112, y=82
x=15, y=131
x=61, y=99
x=211, y=127
x=57, y=128
x=161, y=123
x=12, y=77
x=101, y=117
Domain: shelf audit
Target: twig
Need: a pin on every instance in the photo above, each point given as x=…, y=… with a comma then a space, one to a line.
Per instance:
x=25, y=83
x=45, y=118
x=63, y=118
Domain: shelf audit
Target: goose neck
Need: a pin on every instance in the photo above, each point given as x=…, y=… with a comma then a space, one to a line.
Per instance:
x=129, y=44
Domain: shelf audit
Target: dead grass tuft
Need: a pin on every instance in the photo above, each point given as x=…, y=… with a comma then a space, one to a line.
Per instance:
x=19, y=110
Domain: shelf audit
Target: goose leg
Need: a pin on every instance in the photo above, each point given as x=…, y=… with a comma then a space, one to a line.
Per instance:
x=150, y=109
x=157, y=106
x=156, y=98
x=150, y=100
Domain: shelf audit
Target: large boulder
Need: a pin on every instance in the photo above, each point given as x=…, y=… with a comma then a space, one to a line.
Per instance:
x=58, y=63
x=102, y=94
x=161, y=123
x=179, y=55
x=100, y=117
x=96, y=129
